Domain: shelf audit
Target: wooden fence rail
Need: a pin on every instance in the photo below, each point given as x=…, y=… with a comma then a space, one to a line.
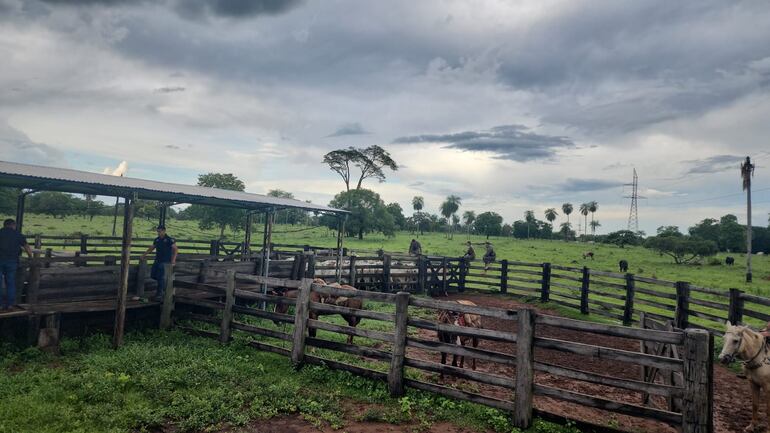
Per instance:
x=229, y=303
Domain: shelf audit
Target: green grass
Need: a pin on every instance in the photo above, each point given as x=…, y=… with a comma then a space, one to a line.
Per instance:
x=195, y=384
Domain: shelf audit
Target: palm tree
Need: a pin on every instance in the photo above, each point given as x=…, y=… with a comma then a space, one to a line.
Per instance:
x=592, y=207
x=448, y=208
x=550, y=215
x=529, y=217
x=469, y=217
x=417, y=204
x=566, y=229
x=567, y=209
x=584, y=210
x=594, y=225
x=455, y=222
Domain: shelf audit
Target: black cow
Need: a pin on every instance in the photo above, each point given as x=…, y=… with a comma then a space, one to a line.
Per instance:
x=729, y=260
x=623, y=265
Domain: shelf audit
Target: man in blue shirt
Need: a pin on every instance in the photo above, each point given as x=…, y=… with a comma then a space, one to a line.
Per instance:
x=11, y=242
x=165, y=252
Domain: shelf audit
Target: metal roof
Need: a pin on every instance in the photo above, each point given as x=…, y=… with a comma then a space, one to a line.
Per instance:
x=43, y=178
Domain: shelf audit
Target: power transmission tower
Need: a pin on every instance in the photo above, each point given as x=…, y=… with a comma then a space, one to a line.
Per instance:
x=633, y=215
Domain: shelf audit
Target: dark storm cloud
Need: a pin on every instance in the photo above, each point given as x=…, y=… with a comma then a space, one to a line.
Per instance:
x=197, y=9
x=714, y=164
x=349, y=129
x=511, y=142
x=584, y=185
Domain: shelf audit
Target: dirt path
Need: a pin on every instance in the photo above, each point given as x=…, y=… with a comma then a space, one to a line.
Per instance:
x=732, y=403
x=295, y=424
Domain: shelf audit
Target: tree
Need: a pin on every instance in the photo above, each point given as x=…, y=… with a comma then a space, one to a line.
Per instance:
x=594, y=225
x=732, y=237
x=669, y=231
x=469, y=217
x=395, y=211
x=287, y=216
x=489, y=224
x=551, y=214
x=529, y=217
x=208, y=216
x=683, y=249
x=567, y=209
x=707, y=229
x=747, y=171
x=584, y=210
x=371, y=161
x=593, y=207
x=507, y=230
x=566, y=231
x=56, y=204
x=417, y=204
x=448, y=208
x=339, y=161
x=622, y=238
x=368, y=213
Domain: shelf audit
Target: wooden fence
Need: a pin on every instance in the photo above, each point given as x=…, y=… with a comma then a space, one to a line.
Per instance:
x=236, y=305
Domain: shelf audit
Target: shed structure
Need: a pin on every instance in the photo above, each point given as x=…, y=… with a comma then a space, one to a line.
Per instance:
x=34, y=178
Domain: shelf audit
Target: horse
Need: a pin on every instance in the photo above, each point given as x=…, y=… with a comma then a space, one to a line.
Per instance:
x=623, y=265
x=729, y=260
x=749, y=346
x=458, y=319
x=587, y=254
x=341, y=301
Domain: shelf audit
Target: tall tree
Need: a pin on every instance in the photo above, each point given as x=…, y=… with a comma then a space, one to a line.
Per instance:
x=567, y=209
x=566, y=231
x=448, y=208
x=469, y=217
x=593, y=207
x=371, y=161
x=368, y=213
x=551, y=214
x=529, y=217
x=489, y=223
x=747, y=171
x=594, y=225
x=584, y=210
x=340, y=160
x=209, y=216
x=418, y=202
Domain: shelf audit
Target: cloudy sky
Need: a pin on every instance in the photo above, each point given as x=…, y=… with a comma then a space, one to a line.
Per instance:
x=510, y=105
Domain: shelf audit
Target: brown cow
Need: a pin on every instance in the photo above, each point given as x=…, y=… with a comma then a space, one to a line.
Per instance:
x=458, y=319
x=354, y=303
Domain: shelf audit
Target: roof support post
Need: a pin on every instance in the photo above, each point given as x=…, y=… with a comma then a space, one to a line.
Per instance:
x=340, y=231
x=20, y=211
x=115, y=216
x=247, y=236
x=125, y=266
x=163, y=210
x=267, y=240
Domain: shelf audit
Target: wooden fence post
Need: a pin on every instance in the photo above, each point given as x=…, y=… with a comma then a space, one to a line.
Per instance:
x=463, y=273
x=545, y=284
x=141, y=276
x=697, y=416
x=310, y=266
x=735, y=314
x=504, y=276
x=422, y=273
x=584, y=287
x=227, y=313
x=33, y=284
x=385, y=285
x=681, y=319
x=168, y=297
x=352, y=271
x=628, y=308
x=214, y=248
x=444, y=275
x=49, y=254
x=83, y=244
x=396, y=372
x=525, y=368
x=301, y=316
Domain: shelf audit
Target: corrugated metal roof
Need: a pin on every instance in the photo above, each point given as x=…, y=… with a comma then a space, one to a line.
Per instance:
x=82, y=182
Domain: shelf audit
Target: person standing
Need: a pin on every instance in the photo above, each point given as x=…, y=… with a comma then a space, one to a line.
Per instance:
x=11, y=241
x=165, y=252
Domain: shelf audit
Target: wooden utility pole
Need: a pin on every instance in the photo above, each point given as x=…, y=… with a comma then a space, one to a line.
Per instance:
x=747, y=171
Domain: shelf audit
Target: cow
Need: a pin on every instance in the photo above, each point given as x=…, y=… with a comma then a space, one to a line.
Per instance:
x=623, y=265
x=729, y=260
x=588, y=254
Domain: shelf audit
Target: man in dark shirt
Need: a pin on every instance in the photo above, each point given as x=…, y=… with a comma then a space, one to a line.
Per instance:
x=165, y=252
x=470, y=254
x=415, y=249
x=489, y=256
x=10, y=243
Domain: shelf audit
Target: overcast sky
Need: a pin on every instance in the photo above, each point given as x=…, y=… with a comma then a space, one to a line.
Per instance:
x=510, y=105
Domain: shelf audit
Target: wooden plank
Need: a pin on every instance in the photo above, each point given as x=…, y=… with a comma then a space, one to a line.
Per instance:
x=251, y=329
x=336, y=291
x=607, y=274
x=663, y=283
x=525, y=372
x=364, y=314
x=348, y=348
x=269, y=348
x=756, y=315
x=458, y=394
x=486, y=378
x=396, y=370
x=565, y=286
x=562, y=303
x=609, y=353
x=275, y=317
x=631, y=385
x=354, y=369
x=644, y=301
x=271, y=299
x=565, y=277
x=671, y=418
x=697, y=416
x=269, y=281
x=349, y=330
x=487, y=334
x=301, y=317
x=608, y=294
x=499, y=313
x=755, y=299
x=486, y=355
x=205, y=303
